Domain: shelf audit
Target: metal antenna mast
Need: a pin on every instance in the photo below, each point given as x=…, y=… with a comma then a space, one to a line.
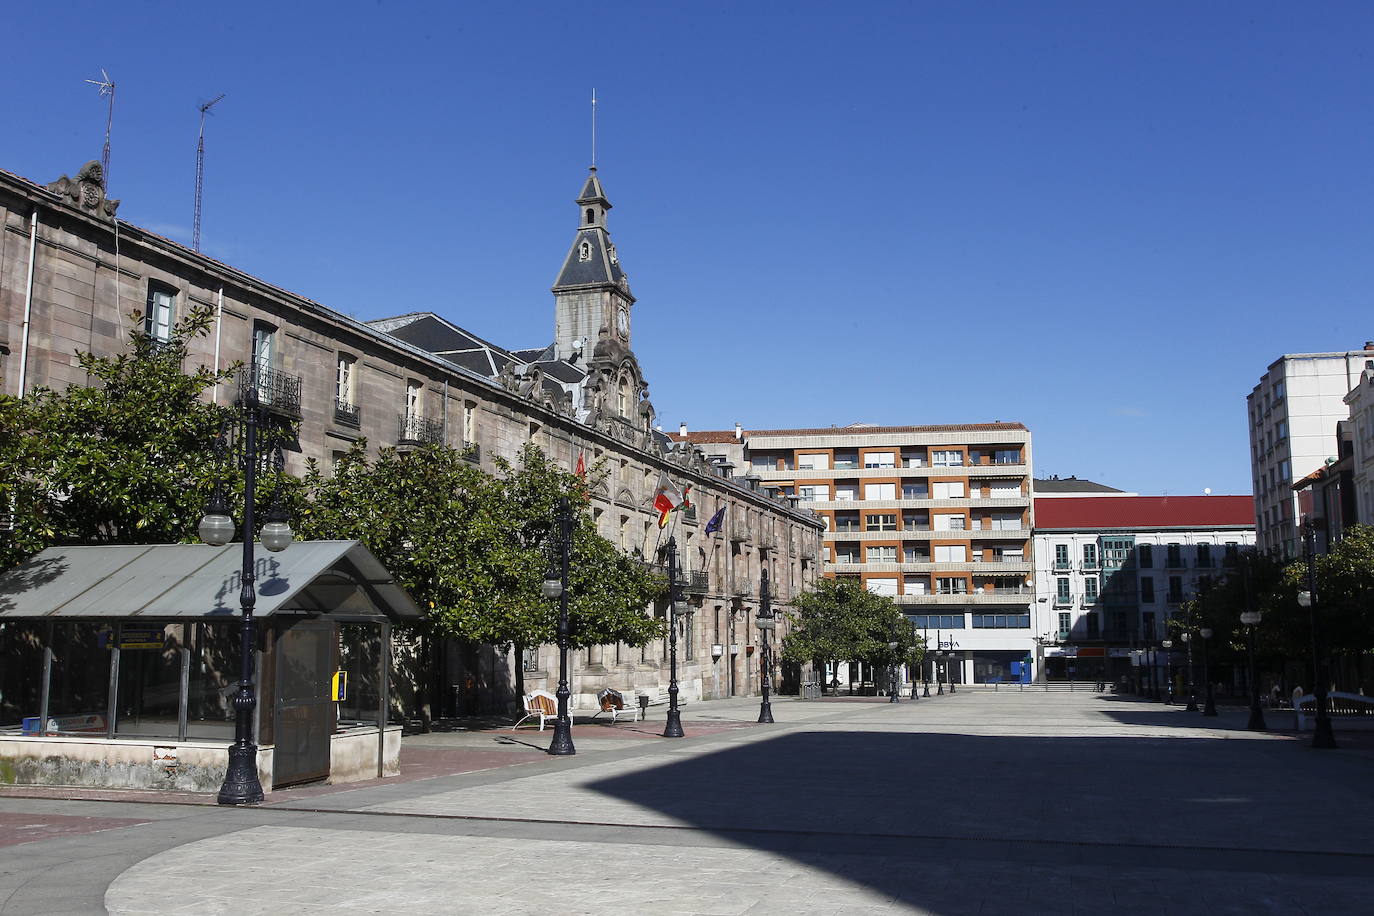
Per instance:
x=200, y=169
x=107, y=87
x=593, y=127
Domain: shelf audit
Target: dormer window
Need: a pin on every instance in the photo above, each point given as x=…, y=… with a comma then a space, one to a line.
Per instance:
x=584, y=251
x=611, y=253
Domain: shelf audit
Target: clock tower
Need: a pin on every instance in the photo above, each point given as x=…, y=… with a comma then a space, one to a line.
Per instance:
x=592, y=300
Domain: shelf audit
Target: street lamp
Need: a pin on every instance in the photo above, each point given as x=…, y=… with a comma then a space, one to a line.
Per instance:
x=1192, y=689
x=949, y=675
x=1322, y=736
x=927, y=661
x=673, y=727
x=556, y=586
x=241, y=785
x=765, y=622
x=895, y=689
x=939, y=667
x=1251, y=619
x=1209, y=708
x=1168, y=645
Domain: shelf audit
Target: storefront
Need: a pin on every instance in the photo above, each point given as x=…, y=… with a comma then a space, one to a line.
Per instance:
x=118, y=665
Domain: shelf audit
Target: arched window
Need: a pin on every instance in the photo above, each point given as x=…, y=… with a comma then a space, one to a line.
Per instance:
x=624, y=397
x=591, y=216
x=584, y=251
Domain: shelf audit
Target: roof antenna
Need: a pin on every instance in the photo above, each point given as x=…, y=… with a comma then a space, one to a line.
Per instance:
x=200, y=169
x=107, y=87
x=593, y=128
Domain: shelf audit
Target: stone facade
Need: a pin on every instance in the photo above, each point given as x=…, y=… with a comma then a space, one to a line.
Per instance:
x=71, y=273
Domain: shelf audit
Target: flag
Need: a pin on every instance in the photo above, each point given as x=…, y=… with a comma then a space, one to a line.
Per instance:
x=716, y=520
x=666, y=498
x=686, y=497
x=581, y=465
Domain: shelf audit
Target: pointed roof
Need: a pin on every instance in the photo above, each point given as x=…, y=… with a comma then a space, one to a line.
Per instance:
x=596, y=268
x=592, y=192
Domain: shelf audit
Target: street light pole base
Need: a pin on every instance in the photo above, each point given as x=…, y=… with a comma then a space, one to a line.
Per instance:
x=673, y=727
x=562, y=743
x=241, y=785
x=1322, y=736
x=1256, y=723
x=765, y=713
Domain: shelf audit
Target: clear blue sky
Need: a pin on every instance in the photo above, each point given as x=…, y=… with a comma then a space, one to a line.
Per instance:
x=1103, y=220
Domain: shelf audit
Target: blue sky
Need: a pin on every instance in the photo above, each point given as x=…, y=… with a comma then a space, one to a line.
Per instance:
x=1103, y=220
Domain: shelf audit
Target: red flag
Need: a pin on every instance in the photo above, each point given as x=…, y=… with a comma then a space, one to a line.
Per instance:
x=582, y=465
x=666, y=498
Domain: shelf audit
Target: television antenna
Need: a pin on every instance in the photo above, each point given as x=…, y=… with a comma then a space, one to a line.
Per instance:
x=200, y=168
x=106, y=87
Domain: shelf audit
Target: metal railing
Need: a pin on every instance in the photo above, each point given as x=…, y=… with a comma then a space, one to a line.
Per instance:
x=413, y=430
x=277, y=391
x=346, y=413
x=697, y=582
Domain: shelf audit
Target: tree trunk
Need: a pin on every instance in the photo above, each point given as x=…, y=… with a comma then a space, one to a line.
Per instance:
x=424, y=687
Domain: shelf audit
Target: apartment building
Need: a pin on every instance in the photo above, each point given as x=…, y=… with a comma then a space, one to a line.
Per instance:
x=1292, y=417
x=70, y=273
x=937, y=517
x=1110, y=571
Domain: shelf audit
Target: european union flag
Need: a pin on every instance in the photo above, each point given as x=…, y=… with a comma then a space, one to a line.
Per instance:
x=714, y=524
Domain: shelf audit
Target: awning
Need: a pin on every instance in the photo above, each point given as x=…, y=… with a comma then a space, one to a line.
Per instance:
x=196, y=580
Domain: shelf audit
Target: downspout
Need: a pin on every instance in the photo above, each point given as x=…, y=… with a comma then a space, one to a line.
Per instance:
x=219, y=322
x=28, y=305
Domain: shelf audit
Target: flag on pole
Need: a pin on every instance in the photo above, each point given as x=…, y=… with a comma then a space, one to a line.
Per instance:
x=686, y=497
x=582, y=465
x=716, y=520
x=666, y=498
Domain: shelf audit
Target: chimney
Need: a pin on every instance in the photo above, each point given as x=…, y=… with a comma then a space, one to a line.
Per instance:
x=682, y=429
x=1369, y=345
x=739, y=433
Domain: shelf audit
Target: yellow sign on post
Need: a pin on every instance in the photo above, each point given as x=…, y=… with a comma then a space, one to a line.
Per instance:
x=339, y=690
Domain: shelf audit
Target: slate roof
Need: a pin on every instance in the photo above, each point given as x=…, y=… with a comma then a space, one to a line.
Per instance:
x=1072, y=485
x=598, y=269
x=1144, y=512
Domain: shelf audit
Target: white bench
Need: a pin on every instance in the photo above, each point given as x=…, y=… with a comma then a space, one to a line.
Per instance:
x=1354, y=711
x=613, y=702
x=539, y=703
x=658, y=696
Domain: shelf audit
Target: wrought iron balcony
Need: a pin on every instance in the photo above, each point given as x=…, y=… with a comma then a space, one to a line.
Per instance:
x=277, y=391
x=345, y=413
x=415, y=430
x=697, y=583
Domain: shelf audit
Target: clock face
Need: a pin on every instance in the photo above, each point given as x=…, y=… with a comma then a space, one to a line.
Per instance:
x=622, y=320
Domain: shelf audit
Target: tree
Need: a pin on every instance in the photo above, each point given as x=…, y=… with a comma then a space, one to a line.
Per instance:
x=841, y=621
x=128, y=459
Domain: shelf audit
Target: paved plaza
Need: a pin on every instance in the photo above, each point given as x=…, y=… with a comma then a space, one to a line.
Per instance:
x=982, y=802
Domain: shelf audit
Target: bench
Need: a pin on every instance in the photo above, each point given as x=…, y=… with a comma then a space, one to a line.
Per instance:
x=658, y=696
x=539, y=703
x=1354, y=711
x=613, y=702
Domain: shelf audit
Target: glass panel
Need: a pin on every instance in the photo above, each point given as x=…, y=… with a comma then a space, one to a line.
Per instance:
x=214, y=680
x=79, y=698
x=21, y=671
x=149, y=698
x=359, y=656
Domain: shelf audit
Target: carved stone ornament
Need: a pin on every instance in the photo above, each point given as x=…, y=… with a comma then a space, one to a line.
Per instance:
x=86, y=191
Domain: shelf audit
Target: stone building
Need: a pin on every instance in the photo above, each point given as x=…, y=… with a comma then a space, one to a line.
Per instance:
x=71, y=271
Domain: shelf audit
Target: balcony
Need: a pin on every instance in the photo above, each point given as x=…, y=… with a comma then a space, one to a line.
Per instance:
x=767, y=540
x=742, y=534
x=743, y=588
x=413, y=430
x=1062, y=566
x=346, y=414
x=1091, y=566
x=1063, y=601
x=277, y=391
x=696, y=582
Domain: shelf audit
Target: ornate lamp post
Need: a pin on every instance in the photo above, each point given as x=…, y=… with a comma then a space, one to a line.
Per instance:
x=1322, y=736
x=556, y=586
x=1168, y=645
x=950, y=660
x=1209, y=708
x=896, y=688
x=927, y=662
x=1192, y=690
x=673, y=727
x=241, y=784
x=1251, y=619
x=766, y=622
x=939, y=667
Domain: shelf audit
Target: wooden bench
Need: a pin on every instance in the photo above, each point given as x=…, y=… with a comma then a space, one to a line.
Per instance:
x=539, y=703
x=613, y=702
x=1354, y=711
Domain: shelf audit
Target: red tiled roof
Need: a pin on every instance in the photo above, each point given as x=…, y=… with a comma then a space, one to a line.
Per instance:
x=707, y=437
x=1144, y=512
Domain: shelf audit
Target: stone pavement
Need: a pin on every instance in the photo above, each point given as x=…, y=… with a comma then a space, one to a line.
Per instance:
x=981, y=802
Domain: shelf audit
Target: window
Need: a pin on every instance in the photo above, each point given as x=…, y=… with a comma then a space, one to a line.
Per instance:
x=1090, y=556
x=1175, y=589
x=914, y=459
x=584, y=250
x=938, y=621
x=915, y=554
x=951, y=553
x=343, y=379
x=1003, y=621
x=916, y=585
x=813, y=462
x=1147, y=590
x=470, y=423
x=882, y=522
x=880, y=460
x=951, y=586
x=918, y=490
x=947, y=459
x=1006, y=521
x=264, y=347
x=1232, y=555
x=1090, y=589
x=157, y=318
x=1281, y=431
x=1278, y=390
x=1007, y=456
x=1147, y=556
x=1004, y=489
x=916, y=521
x=1061, y=556
x=1173, y=558
x=846, y=459
x=882, y=554
x=529, y=659
x=880, y=491
x=813, y=491
x=846, y=492
x=1148, y=625
x=1065, y=625
x=881, y=586
x=948, y=489
x=1204, y=556
x=1062, y=594
x=414, y=402
x=950, y=522
x=763, y=463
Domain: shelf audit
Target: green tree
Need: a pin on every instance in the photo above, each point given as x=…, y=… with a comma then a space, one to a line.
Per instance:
x=1345, y=592
x=841, y=621
x=128, y=459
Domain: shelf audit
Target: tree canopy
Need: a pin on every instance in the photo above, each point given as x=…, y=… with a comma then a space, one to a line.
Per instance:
x=841, y=621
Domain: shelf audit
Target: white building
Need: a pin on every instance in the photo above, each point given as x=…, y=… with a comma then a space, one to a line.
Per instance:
x=1111, y=571
x=1293, y=413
